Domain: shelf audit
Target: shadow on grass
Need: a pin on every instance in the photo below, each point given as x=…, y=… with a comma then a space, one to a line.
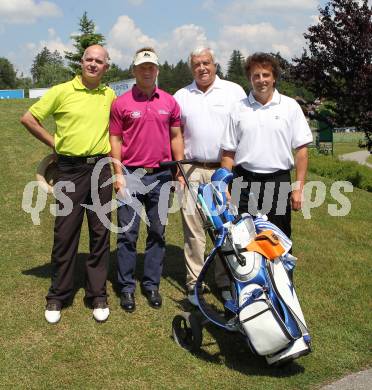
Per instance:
x=173, y=271
x=45, y=270
x=234, y=352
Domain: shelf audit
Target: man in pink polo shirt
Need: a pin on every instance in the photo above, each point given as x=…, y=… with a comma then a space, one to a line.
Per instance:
x=144, y=131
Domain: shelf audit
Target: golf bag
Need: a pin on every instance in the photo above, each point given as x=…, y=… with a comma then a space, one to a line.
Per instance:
x=264, y=303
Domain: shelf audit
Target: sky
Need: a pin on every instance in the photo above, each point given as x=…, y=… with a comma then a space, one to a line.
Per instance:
x=173, y=28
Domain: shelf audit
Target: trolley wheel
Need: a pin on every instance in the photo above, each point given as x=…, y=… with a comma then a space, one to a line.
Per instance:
x=187, y=331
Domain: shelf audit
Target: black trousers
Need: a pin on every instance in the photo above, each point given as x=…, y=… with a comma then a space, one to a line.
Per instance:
x=267, y=194
x=67, y=233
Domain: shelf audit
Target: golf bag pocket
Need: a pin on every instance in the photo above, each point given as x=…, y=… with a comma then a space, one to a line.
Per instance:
x=262, y=324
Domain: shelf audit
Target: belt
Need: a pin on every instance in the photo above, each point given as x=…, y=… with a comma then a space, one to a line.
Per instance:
x=207, y=165
x=149, y=170
x=259, y=175
x=81, y=159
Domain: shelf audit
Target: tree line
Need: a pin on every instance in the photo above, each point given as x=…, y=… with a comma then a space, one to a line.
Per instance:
x=336, y=65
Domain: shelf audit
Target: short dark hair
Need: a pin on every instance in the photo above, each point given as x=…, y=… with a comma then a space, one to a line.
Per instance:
x=263, y=59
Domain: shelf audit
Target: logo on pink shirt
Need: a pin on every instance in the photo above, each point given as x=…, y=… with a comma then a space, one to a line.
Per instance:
x=135, y=114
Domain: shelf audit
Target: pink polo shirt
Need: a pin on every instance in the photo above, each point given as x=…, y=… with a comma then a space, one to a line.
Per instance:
x=144, y=125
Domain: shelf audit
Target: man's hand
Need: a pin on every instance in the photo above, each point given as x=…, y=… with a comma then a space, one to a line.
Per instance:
x=297, y=199
x=180, y=179
x=119, y=183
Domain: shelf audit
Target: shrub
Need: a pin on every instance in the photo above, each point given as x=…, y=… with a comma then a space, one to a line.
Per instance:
x=359, y=175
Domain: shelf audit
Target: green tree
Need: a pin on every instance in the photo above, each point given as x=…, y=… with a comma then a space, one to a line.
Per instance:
x=115, y=73
x=235, y=71
x=165, y=76
x=287, y=83
x=52, y=74
x=48, y=69
x=219, y=71
x=24, y=82
x=338, y=62
x=87, y=37
x=8, y=77
x=172, y=78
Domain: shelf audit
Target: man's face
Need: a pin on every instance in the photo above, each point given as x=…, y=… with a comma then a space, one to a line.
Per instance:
x=94, y=63
x=262, y=80
x=145, y=74
x=203, y=70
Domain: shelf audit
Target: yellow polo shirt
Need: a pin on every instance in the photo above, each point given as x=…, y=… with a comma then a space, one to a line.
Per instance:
x=81, y=116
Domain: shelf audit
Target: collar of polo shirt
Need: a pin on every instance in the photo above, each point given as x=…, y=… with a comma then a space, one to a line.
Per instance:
x=78, y=84
x=216, y=84
x=274, y=100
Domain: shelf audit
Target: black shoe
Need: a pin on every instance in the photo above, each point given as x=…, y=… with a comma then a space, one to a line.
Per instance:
x=127, y=302
x=154, y=298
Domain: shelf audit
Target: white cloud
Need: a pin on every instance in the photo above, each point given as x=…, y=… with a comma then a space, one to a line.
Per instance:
x=25, y=56
x=27, y=11
x=182, y=41
x=284, y=12
x=265, y=37
x=314, y=19
x=136, y=2
x=242, y=6
x=124, y=39
x=209, y=5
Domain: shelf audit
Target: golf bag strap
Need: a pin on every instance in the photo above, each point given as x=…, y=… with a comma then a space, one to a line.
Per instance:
x=208, y=312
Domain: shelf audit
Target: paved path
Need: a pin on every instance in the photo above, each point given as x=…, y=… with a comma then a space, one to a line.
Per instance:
x=358, y=381
x=359, y=157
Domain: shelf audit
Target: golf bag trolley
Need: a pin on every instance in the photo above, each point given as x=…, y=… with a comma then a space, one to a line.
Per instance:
x=264, y=307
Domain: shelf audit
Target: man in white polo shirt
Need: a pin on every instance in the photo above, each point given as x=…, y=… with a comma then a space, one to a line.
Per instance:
x=205, y=106
x=262, y=132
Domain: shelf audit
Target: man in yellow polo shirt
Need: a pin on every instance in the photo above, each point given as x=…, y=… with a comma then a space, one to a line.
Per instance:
x=81, y=110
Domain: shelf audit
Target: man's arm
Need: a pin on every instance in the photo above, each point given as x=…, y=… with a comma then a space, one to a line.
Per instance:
x=116, y=141
x=37, y=129
x=301, y=162
x=227, y=160
x=177, y=148
x=177, y=143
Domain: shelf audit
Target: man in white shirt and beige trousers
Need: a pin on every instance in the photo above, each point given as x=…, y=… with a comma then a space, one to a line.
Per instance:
x=205, y=107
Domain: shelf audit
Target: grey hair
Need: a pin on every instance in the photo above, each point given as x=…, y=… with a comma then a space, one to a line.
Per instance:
x=201, y=50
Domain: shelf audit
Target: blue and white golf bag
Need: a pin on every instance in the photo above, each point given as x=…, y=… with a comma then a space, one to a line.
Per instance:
x=264, y=302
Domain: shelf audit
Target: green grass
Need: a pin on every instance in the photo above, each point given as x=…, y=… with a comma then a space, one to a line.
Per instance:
x=369, y=159
x=345, y=147
x=136, y=350
x=354, y=137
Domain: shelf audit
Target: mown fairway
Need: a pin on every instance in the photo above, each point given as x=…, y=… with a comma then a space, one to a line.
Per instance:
x=333, y=280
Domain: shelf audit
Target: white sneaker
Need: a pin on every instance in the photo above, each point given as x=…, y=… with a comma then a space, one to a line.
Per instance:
x=52, y=313
x=101, y=312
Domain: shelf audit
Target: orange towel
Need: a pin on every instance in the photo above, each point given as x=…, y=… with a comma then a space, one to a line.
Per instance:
x=267, y=244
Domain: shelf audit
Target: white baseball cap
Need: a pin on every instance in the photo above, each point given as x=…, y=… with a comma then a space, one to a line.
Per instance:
x=145, y=56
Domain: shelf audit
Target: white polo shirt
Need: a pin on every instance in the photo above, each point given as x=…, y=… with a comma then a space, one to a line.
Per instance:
x=204, y=117
x=263, y=136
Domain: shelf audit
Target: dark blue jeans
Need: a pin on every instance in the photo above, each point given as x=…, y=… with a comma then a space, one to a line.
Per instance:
x=155, y=242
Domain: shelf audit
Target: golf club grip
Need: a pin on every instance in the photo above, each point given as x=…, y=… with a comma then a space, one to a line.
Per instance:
x=166, y=164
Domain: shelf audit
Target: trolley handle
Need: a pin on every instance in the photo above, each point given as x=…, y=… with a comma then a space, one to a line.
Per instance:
x=166, y=164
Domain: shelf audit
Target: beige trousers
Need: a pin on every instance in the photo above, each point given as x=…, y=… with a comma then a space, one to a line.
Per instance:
x=194, y=234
